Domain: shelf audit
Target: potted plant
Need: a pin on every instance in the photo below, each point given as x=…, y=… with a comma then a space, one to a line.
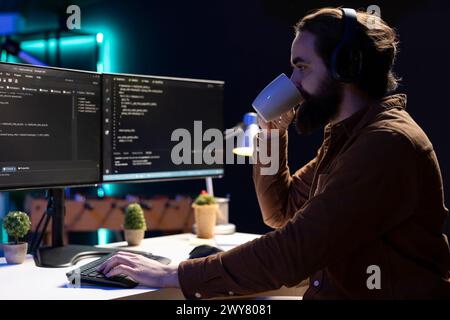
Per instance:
x=134, y=225
x=205, y=209
x=17, y=224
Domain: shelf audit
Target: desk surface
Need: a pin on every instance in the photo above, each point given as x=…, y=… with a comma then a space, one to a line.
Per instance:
x=26, y=281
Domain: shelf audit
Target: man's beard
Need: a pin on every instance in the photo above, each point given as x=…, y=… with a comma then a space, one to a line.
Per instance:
x=319, y=108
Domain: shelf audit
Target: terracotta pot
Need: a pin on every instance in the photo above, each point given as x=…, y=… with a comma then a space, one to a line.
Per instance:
x=134, y=236
x=15, y=253
x=205, y=220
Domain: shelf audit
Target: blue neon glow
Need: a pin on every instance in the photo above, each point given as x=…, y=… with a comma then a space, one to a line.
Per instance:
x=33, y=44
x=99, y=37
x=109, y=189
x=77, y=40
x=100, y=67
x=102, y=235
x=71, y=41
x=100, y=192
x=4, y=205
x=10, y=23
x=4, y=235
x=30, y=59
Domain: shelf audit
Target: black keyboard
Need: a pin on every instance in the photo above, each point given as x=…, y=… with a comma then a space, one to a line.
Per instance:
x=90, y=276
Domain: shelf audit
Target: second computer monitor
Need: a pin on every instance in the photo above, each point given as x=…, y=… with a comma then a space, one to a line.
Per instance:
x=141, y=117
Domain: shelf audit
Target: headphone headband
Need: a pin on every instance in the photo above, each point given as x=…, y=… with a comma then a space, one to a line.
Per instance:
x=346, y=59
x=350, y=22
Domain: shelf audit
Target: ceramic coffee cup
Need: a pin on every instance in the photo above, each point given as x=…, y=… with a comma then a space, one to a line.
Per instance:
x=277, y=98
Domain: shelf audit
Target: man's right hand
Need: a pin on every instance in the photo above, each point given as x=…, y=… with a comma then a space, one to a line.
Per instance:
x=282, y=123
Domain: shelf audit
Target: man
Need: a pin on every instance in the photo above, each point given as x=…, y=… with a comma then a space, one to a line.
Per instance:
x=363, y=219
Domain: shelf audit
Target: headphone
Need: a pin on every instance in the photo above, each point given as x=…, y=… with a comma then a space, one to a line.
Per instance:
x=346, y=58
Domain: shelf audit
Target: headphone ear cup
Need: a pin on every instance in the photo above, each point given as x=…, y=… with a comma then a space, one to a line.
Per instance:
x=346, y=58
x=346, y=63
x=354, y=64
x=333, y=65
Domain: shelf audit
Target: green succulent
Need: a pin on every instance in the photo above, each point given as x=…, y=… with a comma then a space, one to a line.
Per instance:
x=134, y=217
x=17, y=224
x=204, y=199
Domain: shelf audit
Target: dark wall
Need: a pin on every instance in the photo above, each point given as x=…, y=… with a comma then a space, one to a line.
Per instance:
x=424, y=66
x=247, y=44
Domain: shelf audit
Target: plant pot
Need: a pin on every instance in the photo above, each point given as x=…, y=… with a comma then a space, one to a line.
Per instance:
x=205, y=220
x=15, y=253
x=134, y=236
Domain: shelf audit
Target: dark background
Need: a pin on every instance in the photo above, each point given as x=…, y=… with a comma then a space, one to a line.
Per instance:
x=247, y=44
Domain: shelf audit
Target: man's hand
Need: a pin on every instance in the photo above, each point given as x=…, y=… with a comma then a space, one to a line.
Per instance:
x=282, y=123
x=146, y=271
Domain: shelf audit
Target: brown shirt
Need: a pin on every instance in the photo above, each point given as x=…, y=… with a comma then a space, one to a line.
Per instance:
x=372, y=199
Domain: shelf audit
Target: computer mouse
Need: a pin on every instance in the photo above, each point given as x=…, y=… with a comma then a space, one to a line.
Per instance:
x=203, y=250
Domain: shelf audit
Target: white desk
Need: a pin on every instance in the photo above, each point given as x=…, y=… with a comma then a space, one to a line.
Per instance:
x=28, y=282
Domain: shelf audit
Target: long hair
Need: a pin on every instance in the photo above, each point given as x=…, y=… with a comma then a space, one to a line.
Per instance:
x=378, y=45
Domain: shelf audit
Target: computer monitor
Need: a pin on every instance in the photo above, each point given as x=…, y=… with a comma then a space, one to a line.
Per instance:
x=49, y=127
x=140, y=115
x=52, y=122
x=50, y=133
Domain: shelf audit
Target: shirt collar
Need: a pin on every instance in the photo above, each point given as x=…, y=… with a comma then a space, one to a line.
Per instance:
x=346, y=126
x=358, y=119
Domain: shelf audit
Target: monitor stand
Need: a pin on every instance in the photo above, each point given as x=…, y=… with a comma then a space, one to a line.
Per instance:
x=221, y=228
x=59, y=255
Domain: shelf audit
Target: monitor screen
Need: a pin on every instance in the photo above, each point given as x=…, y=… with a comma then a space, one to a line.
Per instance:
x=50, y=127
x=143, y=114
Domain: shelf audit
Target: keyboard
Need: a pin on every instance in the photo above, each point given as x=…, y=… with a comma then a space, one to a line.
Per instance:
x=88, y=274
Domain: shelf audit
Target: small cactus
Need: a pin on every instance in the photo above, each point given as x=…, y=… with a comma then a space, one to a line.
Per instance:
x=204, y=199
x=134, y=217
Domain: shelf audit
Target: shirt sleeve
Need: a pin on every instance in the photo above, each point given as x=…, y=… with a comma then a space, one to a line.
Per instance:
x=281, y=195
x=368, y=192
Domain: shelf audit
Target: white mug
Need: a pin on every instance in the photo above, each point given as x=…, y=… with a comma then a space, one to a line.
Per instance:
x=276, y=98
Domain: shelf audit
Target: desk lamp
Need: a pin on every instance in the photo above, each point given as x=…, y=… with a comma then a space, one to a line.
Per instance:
x=250, y=128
